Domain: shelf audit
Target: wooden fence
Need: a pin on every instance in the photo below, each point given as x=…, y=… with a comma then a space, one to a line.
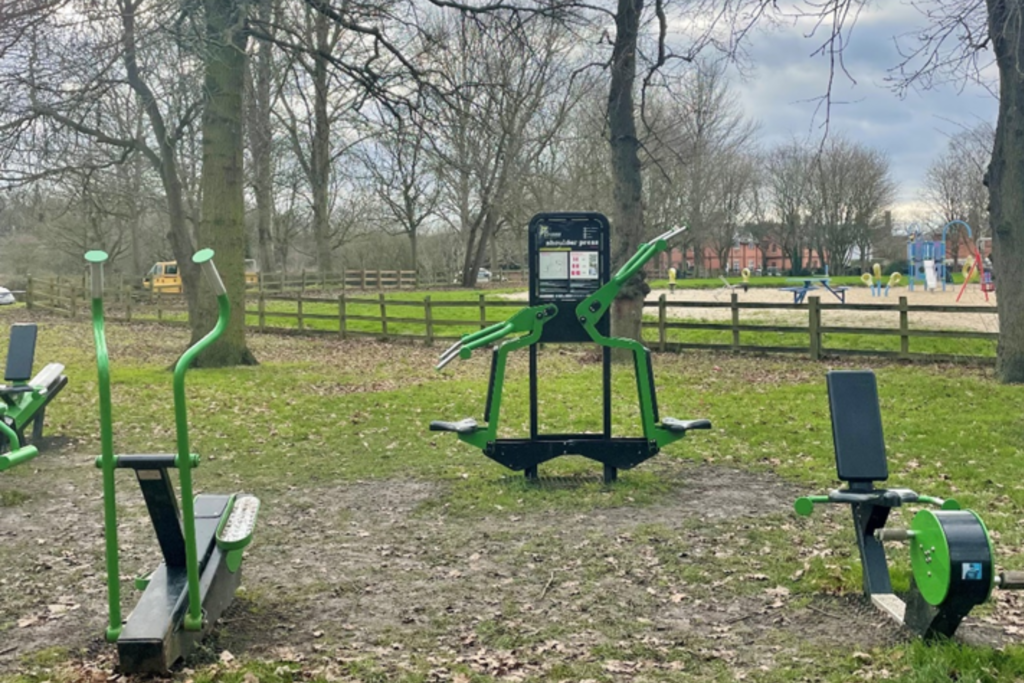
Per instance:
x=428, y=319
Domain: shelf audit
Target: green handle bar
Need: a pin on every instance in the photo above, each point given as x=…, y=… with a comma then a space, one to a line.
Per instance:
x=108, y=463
x=804, y=505
x=204, y=257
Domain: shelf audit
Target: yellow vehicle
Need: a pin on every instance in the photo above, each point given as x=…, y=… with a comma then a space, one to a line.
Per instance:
x=164, y=278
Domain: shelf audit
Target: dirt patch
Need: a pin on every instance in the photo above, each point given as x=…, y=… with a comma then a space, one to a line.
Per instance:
x=378, y=571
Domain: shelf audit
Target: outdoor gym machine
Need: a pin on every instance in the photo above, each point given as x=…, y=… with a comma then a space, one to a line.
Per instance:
x=570, y=294
x=202, y=544
x=951, y=555
x=24, y=397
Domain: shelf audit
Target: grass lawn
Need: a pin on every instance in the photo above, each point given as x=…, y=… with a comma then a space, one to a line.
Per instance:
x=389, y=553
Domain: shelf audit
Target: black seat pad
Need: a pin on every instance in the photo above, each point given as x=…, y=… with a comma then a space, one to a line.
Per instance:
x=21, y=352
x=857, y=426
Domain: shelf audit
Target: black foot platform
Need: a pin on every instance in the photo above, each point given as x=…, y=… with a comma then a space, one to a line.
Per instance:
x=153, y=639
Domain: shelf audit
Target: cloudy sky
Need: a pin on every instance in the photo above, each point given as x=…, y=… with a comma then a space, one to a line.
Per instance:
x=781, y=88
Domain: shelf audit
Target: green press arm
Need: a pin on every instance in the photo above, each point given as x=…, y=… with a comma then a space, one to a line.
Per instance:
x=592, y=309
x=194, y=618
x=529, y=320
x=108, y=463
x=17, y=453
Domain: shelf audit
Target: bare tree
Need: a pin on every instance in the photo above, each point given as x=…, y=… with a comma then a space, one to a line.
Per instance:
x=788, y=183
x=397, y=162
x=955, y=185
x=849, y=188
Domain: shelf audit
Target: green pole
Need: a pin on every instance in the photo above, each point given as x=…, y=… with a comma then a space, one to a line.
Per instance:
x=194, y=618
x=107, y=461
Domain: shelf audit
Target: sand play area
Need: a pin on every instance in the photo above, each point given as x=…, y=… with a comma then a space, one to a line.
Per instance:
x=972, y=297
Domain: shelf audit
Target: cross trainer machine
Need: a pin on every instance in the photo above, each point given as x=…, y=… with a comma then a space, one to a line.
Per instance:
x=570, y=294
x=202, y=543
x=951, y=554
x=24, y=397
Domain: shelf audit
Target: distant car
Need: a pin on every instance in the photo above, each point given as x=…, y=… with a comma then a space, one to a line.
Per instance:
x=6, y=298
x=483, y=275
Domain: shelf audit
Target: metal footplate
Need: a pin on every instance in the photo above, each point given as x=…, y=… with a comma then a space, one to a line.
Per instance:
x=238, y=524
x=467, y=426
x=153, y=638
x=671, y=424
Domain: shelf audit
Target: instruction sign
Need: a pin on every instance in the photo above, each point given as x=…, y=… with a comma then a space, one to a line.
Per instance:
x=569, y=260
x=566, y=256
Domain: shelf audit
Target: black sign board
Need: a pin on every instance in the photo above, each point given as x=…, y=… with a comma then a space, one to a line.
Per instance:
x=569, y=261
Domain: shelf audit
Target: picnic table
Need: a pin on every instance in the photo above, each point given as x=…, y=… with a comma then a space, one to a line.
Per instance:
x=809, y=284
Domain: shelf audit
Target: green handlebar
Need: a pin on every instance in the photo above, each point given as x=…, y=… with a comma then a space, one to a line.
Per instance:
x=96, y=260
x=194, y=618
x=16, y=457
x=804, y=505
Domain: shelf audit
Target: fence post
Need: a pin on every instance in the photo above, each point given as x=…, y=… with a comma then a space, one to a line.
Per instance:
x=73, y=304
x=342, y=320
x=428, y=314
x=344, y=278
x=57, y=299
x=735, y=306
x=380, y=280
x=160, y=307
x=661, y=323
x=298, y=301
x=814, y=326
x=383, y=316
x=302, y=287
x=483, y=311
x=904, y=329
x=128, y=308
x=28, y=293
x=362, y=279
x=261, y=311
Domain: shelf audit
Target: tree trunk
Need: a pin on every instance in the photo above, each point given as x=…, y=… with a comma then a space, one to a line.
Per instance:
x=223, y=220
x=627, y=214
x=1005, y=181
x=261, y=138
x=320, y=155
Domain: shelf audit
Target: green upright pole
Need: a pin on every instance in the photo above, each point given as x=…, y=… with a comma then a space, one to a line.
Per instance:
x=194, y=618
x=107, y=462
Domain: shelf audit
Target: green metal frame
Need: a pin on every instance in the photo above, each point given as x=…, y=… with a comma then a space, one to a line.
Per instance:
x=17, y=453
x=588, y=312
x=592, y=309
x=184, y=461
x=529, y=320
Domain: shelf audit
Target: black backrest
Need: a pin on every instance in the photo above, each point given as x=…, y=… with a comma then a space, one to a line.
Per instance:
x=857, y=426
x=21, y=353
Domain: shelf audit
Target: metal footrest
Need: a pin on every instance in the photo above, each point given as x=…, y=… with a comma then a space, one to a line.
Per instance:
x=237, y=526
x=682, y=426
x=467, y=426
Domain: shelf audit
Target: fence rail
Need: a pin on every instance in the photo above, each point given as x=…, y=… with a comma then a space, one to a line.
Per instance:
x=431, y=319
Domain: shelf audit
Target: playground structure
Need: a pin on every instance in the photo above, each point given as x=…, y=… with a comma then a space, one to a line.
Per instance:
x=927, y=261
x=202, y=543
x=951, y=553
x=975, y=264
x=570, y=294
x=24, y=397
x=875, y=281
